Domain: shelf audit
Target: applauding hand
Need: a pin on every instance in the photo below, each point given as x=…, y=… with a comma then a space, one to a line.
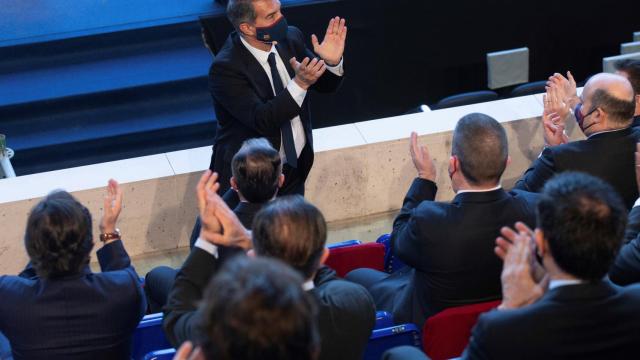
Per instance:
x=332, y=46
x=421, y=159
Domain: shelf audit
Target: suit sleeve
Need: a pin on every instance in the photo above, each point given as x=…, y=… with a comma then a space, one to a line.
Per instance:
x=180, y=313
x=476, y=349
x=543, y=169
x=406, y=237
x=626, y=268
x=234, y=92
x=633, y=225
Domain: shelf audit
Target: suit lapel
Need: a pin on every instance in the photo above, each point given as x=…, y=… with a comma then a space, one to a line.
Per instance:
x=285, y=55
x=255, y=71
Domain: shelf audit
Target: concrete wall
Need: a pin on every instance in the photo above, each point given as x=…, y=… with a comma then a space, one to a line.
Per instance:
x=361, y=169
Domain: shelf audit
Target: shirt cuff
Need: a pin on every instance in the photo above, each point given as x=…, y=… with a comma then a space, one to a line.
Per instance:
x=338, y=69
x=297, y=93
x=207, y=246
x=637, y=203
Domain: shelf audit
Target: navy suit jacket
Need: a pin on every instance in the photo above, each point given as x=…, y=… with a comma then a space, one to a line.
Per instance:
x=626, y=268
x=82, y=316
x=608, y=155
x=246, y=107
x=585, y=321
x=448, y=248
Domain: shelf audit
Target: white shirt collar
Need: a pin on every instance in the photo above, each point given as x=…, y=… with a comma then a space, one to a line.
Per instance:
x=308, y=285
x=564, y=282
x=260, y=55
x=477, y=191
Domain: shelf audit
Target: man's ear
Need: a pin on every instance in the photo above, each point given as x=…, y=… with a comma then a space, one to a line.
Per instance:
x=453, y=165
x=234, y=184
x=325, y=255
x=247, y=29
x=280, y=180
x=508, y=161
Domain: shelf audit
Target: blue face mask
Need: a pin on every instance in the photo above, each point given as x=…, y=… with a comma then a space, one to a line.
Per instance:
x=274, y=32
x=580, y=118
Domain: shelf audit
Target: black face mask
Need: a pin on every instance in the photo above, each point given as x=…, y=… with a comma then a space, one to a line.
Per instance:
x=274, y=32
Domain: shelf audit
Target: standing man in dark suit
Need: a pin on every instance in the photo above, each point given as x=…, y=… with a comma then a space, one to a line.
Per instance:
x=562, y=308
x=259, y=82
x=448, y=247
x=293, y=231
x=57, y=308
x=604, y=112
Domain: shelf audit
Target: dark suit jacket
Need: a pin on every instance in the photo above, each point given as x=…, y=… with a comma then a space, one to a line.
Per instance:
x=636, y=122
x=346, y=313
x=83, y=316
x=586, y=321
x=448, y=248
x=609, y=156
x=245, y=105
x=626, y=268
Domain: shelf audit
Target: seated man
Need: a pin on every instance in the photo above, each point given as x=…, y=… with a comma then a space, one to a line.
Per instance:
x=604, y=113
x=256, y=177
x=563, y=309
x=288, y=229
x=57, y=308
x=255, y=309
x=448, y=247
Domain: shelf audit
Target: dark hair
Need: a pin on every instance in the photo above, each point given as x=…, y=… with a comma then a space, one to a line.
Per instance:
x=256, y=168
x=632, y=68
x=241, y=11
x=58, y=237
x=619, y=110
x=255, y=308
x=292, y=230
x=583, y=220
x=481, y=145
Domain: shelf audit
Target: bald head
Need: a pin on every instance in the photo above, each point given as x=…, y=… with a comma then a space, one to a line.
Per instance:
x=611, y=93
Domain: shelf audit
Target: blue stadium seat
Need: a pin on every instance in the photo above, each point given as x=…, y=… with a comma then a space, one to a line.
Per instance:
x=344, y=244
x=383, y=320
x=391, y=263
x=148, y=337
x=384, y=339
x=467, y=99
x=166, y=354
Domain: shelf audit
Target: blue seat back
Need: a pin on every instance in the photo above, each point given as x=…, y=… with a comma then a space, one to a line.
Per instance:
x=149, y=336
x=166, y=354
x=383, y=320
x=344, y=244
x=384, y=339
x=391, y=263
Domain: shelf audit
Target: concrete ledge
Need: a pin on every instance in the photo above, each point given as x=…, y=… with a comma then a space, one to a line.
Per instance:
x=360, y=169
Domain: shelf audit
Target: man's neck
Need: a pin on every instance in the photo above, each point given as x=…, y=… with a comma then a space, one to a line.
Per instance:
x=256, y=43
x=465, y=186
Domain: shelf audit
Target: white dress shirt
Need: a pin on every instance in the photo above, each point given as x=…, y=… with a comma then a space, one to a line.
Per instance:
x=297, y=93
x=477, y=191
x=558, y=283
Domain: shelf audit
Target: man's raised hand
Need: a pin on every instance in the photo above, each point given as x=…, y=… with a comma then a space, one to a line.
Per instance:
x=332, y=47
x=111, y=208
x=308, y=71
x=421, y=159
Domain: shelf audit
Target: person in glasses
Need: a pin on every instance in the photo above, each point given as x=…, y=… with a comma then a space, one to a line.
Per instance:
x=604, y=112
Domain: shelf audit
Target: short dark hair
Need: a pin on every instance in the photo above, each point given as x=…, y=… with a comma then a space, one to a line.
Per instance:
x=58, y=237
x=583, y=220
x=292, y=230
x=619, y=110
x=240, y=11
x=632, y=68
x=256, y=309
x=480, y=143
x=256, y=168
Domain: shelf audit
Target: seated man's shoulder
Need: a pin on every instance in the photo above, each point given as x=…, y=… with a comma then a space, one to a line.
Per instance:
x=523, y=195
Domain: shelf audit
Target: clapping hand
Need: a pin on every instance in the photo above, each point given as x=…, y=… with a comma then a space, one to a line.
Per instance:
x=186, y=352
x=111, y=208
x=308, y=71
x=566, y=87
x=524, y=280
x=332, y=46
x=421, y=159
x=210, y=224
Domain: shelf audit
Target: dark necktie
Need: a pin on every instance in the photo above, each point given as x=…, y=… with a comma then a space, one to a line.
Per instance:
x=285, y=129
